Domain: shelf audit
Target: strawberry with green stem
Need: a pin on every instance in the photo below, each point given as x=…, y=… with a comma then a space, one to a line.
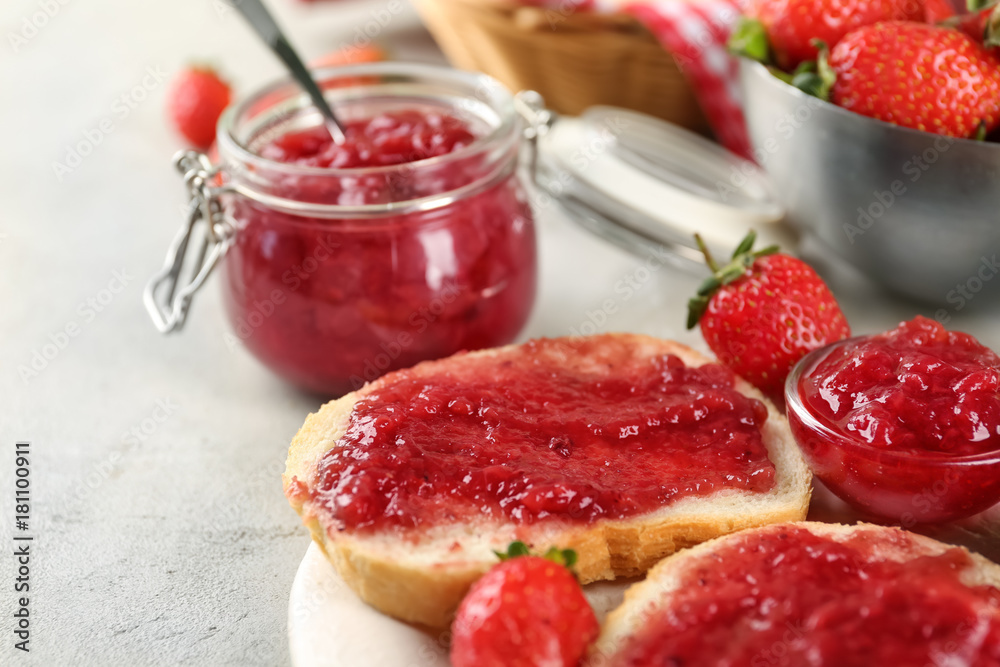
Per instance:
x=526, y=611
x=783, y=32
x=762, y=312
x=931, y=78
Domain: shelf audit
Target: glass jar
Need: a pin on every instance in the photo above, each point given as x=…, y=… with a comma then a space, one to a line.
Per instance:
x=334, y=276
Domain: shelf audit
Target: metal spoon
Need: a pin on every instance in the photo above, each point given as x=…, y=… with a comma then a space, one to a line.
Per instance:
x=263, y=23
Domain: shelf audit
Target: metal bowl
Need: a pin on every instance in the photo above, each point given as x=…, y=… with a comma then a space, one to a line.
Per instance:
x=919, y=213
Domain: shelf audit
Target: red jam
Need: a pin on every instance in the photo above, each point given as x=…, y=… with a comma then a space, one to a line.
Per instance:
x=380, y=141
x=787, y=597
x=895, y=412
x=332, y=303
x=918, y=389
x=570, y=429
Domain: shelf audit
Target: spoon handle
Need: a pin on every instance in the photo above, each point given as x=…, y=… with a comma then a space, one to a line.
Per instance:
x=263, y=23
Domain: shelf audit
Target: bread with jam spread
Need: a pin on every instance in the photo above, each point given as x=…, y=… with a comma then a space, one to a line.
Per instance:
x=415, y=560
x=812, y=593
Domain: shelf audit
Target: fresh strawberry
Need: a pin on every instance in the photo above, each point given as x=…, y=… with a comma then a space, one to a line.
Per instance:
x=763, y=312
x=196, y=100
x=921, y=76
x=525, y=612
x=791, y=26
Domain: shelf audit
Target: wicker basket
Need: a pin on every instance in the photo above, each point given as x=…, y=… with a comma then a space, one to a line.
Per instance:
x=574, y=60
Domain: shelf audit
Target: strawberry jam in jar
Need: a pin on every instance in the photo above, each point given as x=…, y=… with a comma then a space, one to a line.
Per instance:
x=410, y=240
x=903, y=425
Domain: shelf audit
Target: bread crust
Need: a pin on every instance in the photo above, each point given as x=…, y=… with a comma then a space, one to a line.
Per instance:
x=655, y=591
x=423, y=582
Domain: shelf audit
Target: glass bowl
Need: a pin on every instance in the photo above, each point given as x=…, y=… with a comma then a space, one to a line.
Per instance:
x=904, y=487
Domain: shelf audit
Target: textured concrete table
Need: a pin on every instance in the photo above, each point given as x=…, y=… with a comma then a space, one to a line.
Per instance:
x=161, y=535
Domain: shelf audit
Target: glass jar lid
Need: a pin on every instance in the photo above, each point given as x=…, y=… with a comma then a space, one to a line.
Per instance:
x=644, y=184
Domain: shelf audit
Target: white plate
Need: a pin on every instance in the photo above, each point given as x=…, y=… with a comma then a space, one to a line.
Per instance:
x=329, y=626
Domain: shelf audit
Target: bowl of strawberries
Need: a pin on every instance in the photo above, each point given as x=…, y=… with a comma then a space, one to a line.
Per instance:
x=878, y=123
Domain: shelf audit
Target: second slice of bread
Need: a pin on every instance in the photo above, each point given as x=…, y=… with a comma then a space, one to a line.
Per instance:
x=422, y=577
x=656, y=593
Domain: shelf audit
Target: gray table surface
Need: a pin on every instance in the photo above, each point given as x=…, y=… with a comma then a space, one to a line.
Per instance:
x=161, y=535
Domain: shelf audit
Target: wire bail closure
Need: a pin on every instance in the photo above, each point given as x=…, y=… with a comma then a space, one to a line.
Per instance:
x=167, y=296
x=538, y=119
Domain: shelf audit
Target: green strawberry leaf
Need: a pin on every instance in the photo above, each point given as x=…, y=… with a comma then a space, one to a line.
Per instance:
x=709, y=285
x=743, y=258
x=992, y=36
x=802, y=74
x=977, y=5
x=745, y=244
x=703, y=248
x=780, y=74
x=809, y=83
x=772, y=249
x=733, y=271
x=749, y=40
x=515, y=549
x=816, y=78
x=980, y=134
x=565, y=557
x=696, y=308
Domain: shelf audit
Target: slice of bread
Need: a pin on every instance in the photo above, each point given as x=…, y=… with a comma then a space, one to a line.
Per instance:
x=421, y=578
x=660, y=589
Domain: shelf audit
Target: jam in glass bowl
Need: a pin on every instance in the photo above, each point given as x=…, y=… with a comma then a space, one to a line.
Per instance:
x=411, y=240
x=903, y=425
